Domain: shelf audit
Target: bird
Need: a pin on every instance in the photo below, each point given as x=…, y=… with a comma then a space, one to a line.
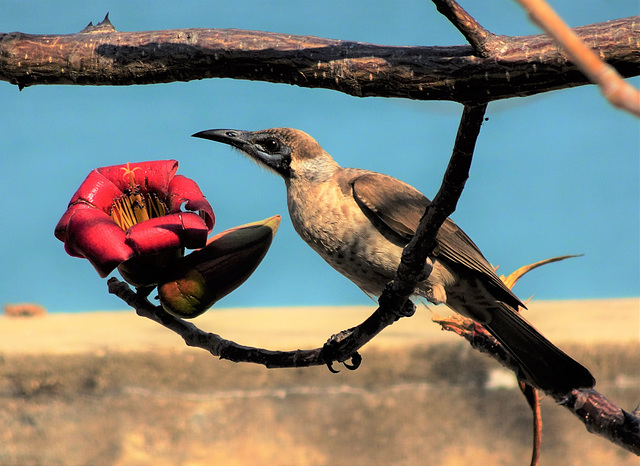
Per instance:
x=358, y=221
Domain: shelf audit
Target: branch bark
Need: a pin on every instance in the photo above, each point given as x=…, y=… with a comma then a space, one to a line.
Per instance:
x=599, y=415
x=505, y=67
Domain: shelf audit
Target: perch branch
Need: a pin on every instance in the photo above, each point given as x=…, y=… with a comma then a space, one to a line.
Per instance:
x=599, y=415
x=506, y=67
x=620, y=93
x=211, y=342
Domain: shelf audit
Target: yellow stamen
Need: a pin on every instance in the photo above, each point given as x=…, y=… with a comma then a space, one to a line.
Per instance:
x=134, y=206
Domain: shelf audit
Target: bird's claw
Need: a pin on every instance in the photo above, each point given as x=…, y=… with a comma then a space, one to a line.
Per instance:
x=388, y=301
x=334, y=350
x=330, y=367
x=356, y=360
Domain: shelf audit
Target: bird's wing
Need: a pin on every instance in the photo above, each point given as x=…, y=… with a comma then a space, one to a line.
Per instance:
x=399, y=207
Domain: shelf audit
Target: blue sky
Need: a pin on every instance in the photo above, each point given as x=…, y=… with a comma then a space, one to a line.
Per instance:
x=553, y=174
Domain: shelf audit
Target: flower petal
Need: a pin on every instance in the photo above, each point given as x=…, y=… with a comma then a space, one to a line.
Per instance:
x=89, y=232
x=183, y=189
x=98, y=191
x=151, y=176
x=184, y=229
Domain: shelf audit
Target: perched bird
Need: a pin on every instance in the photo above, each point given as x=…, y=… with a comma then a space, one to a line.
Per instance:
x=359, y=221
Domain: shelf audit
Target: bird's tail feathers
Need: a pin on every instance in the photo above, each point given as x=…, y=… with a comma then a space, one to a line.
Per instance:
x=548, y=367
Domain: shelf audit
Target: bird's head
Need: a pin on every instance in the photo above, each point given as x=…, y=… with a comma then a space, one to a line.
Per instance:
x=289, y=152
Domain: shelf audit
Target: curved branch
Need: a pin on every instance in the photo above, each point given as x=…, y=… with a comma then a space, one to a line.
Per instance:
x=599, y=415
x=211, y=342
x=511, y=66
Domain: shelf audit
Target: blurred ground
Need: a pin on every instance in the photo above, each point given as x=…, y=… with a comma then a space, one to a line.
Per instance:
x=114, y=388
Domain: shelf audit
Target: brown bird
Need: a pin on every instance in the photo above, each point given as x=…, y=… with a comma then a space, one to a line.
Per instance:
x=359, y=221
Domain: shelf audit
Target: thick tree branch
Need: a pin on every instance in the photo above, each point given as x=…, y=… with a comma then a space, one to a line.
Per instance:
x=508, y=67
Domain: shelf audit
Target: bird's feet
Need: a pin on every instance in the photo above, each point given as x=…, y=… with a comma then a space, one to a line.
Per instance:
x=407, y=310
x=336, y=349
x=389, y=303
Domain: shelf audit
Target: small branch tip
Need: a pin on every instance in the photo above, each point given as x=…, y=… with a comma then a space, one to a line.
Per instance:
x=105, y=21
x=103, y=26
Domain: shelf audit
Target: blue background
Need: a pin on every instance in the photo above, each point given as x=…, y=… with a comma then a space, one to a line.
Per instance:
x=553, y=174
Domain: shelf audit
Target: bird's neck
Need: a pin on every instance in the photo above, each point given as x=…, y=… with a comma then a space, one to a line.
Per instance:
x=311, y=190
x=313, y=170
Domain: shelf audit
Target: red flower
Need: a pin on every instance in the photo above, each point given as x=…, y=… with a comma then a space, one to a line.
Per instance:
x=133, y=211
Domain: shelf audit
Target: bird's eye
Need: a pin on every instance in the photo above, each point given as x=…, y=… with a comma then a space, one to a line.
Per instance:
x=271, y=145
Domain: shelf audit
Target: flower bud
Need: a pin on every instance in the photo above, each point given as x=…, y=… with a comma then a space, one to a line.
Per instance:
x=199, y=280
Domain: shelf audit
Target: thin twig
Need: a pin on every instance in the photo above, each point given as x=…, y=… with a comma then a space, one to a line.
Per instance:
x=443, y=205
x=615, y=89
x=533, y=400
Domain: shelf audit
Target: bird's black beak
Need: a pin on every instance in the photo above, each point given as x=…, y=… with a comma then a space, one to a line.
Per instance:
x=233, y=137
x=261, y=146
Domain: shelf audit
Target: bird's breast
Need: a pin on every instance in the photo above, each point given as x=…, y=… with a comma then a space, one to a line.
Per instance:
x=328, y=219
